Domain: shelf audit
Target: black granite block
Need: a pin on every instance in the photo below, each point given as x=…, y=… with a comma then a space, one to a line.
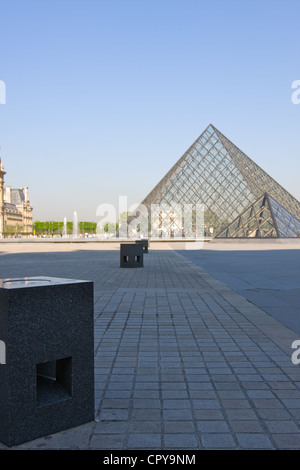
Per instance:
x=145, y=244
x=131, y=255
x=47, y=382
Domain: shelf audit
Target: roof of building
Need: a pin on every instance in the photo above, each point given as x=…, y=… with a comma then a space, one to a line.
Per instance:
x=17, y=196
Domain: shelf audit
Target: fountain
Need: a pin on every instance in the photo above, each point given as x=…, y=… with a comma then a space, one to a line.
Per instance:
x=75, y=225
x=65, y=228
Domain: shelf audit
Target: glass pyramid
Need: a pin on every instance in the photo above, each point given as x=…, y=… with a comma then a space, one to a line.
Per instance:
x=215, y=173
x=265, y=218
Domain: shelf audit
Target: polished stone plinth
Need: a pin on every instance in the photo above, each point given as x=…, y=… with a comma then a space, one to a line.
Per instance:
x=47, y=383
x=131, y=255
x=144, y=243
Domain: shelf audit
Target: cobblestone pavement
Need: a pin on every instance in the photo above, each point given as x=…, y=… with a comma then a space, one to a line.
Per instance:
x=181, y=360
x=266, y=273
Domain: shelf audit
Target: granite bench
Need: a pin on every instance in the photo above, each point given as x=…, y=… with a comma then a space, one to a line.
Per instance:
x=47, y=381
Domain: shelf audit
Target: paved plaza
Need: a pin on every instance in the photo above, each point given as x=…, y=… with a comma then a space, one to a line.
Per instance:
x=183, y=360
x=266, y=272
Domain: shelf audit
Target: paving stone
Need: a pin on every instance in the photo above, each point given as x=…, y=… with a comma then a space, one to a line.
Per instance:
x=110, y=427
x=260, y=394
x=173, y=386
x=246, y=426
x=288, y=394
x=146, y=386
x=291, y=402
x=178, y=404
x=217, y=441
x=206, y=404
x=107, y=441
x=212, y=427
x=115, y=403
x=287, y=427
x=254, y=441
x=203, y=394
x=208, y=415
x=241, y=414
x=287, y=441
x=144, y=441
x=177, y=415
x=145, y=426
x=266, y=403
x=146, y=414
x=114, y=415
x=174, y=426
x=235, y=404
x=146, y=403
x=274, y=414
x=176, y=394
x=119, y=394
x=256, y=386
x=231, y=394
x=180, y=441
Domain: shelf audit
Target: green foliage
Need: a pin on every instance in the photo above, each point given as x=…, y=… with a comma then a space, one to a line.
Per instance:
x=87, y=227
x=57, y=228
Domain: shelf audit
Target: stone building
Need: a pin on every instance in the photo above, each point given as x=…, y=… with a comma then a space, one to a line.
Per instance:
x=15, y=208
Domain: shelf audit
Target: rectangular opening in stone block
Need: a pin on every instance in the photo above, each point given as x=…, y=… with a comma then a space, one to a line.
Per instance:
x=54, y=381
x=125, y=259
x=137, y=259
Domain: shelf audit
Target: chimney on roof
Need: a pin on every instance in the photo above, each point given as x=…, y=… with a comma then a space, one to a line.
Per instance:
x=7, y=194
x=26, y=193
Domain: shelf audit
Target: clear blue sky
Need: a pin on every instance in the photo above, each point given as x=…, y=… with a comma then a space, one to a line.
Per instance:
x=104, y=96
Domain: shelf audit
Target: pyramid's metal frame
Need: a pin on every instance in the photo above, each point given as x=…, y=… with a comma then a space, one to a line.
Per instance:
x=216, y=173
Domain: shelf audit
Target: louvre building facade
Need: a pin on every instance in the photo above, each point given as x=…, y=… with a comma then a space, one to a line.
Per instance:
x=15, y=208
x=239, y=198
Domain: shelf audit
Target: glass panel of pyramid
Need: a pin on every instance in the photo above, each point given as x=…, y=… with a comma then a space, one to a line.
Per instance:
x=265, y=218
x=215, y=173
x=287, y=225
